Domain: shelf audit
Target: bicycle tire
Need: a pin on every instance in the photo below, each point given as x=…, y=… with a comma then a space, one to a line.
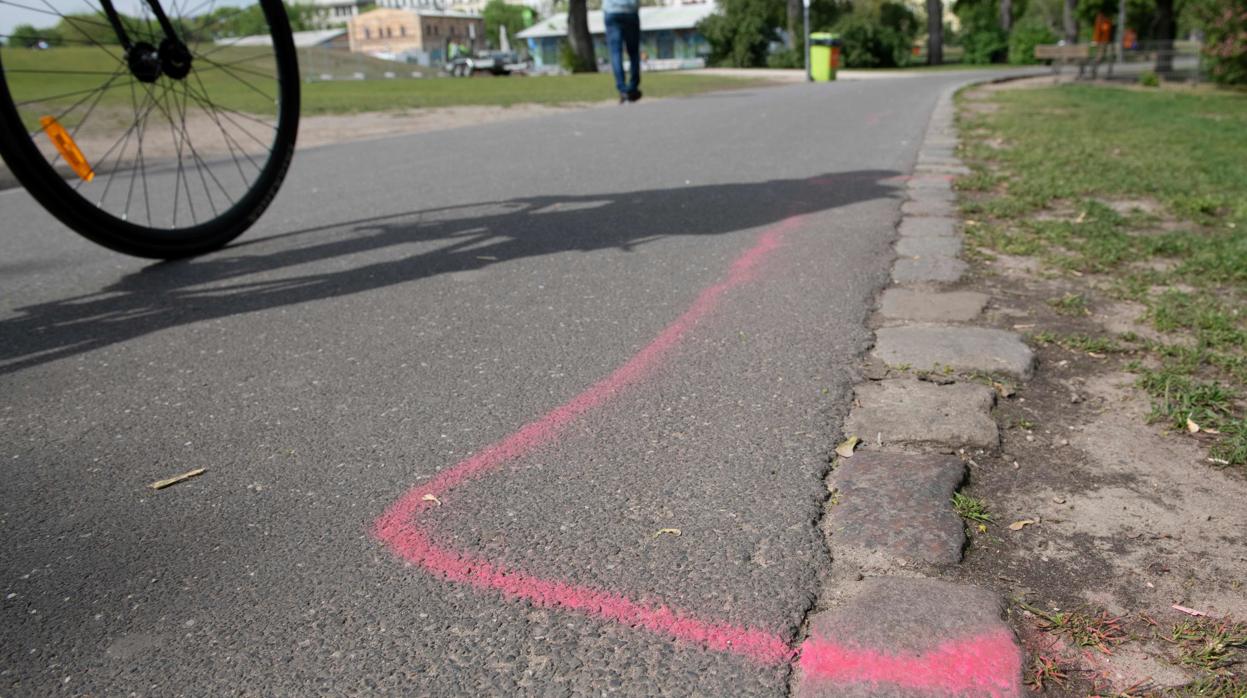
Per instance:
x=64, y=200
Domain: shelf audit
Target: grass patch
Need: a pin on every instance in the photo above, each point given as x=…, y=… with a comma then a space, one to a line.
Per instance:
x=1070, y=304
x=1144, y=188
x=1098, y=630
x=972, y=509
x=225, y=88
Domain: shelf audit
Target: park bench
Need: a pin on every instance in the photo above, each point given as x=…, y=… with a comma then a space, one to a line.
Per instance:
x=1063, y=54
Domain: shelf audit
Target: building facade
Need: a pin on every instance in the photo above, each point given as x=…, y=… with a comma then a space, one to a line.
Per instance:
x=669, y=36
x=336, y=13
x=422, y=36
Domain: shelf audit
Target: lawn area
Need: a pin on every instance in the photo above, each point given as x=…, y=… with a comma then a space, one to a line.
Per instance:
x=376, y=95
x=1144, y=191
x=235, y=78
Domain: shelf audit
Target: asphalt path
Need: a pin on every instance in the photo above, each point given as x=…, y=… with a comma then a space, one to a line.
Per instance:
x=608, y=349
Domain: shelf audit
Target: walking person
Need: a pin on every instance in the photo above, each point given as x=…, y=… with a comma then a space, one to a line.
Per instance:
x=623, y=30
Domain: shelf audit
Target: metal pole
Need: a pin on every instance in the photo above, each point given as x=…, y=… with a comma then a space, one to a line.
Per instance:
x=806, y=4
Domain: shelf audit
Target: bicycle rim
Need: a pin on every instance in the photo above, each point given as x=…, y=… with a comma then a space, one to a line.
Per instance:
x=163, y=164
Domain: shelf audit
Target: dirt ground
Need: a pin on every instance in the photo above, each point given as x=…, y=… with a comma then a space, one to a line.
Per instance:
x=1134, y=550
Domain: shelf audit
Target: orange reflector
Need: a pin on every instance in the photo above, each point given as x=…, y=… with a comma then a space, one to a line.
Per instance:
x=67, y=147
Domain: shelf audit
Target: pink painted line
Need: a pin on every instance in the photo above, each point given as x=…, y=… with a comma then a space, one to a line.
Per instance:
x=399, y=528
x=984, y=665
x=974, y=664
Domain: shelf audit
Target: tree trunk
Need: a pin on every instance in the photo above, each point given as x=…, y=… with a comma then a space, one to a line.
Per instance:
x=1070, y=20
x=579, y=37
x=1006, y=14
x=796, y=25
x=935, y=32
x=1166, y=31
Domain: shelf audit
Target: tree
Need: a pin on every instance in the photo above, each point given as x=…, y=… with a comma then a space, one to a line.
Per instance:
x=1069, y=17
x=579, y=39
x=935, y=32
x=498, y=14
x=981, y=36
x=1224, y=23
x=740, y=32
x=1166, y=31
x=878, y=34
x=27, y=36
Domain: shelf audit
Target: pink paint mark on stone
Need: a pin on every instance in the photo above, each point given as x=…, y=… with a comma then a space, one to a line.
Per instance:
x=399, y=527
x=983, y=665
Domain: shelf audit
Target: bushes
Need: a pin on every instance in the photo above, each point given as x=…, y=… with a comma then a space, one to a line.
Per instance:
x=740, y=32
x=1028, y=34
x=878, y=35
x=1225, y=39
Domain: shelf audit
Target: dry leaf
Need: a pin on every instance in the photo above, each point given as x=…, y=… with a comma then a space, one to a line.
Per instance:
x=982, y=528
x=1019, y=525
x=161, y=484
x=1081, y=217
x=432, y=498
x=1191, y=426
x=667, y=531
x=845, y=449
x=1003, y=390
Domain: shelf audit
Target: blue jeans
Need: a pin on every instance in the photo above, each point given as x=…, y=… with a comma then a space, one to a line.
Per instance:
x=623, y=29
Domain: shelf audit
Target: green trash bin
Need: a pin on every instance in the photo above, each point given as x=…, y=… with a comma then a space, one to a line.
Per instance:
x=824, y=56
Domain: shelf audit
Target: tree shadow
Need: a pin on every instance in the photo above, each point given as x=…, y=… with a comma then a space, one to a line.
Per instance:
x=471, y=237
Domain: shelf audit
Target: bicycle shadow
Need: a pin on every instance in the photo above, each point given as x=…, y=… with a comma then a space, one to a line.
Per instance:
x=473, y=237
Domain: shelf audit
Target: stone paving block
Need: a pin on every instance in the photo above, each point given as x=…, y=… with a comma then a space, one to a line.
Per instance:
x=926, y=306
x=911, y=270
x=932, y=194
x=927, y=226
x=899, y=504
x=907, y=412
x=949, y=246
x=931, y=160
x=911, y=638
x=928, y=208
x=937, y=182
x=963, y=348
x=944, y=169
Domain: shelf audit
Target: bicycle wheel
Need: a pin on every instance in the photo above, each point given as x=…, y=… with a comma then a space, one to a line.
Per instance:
x=155, y=130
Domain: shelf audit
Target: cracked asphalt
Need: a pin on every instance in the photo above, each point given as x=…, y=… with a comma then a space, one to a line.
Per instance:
x=405, y=303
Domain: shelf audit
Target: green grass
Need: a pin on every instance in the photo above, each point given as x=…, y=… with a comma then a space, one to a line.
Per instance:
x=340, y=96
x=971, y=508
x=1068, y=153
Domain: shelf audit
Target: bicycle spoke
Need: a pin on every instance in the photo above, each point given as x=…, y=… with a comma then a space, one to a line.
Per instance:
x=77, y=104
x=235, y=76
x=40, y=100
x=229, y=142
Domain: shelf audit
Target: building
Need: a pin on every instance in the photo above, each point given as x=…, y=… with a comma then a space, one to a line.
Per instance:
x=336, y=13
x=319, y=38
x=419, y=36
x=669, y=36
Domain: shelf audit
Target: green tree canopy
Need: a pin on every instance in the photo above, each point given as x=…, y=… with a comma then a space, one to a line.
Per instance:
x=498, y=14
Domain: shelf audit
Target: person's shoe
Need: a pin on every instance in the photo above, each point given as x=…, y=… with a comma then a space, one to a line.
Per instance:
x=634, y=95
x=623, y=98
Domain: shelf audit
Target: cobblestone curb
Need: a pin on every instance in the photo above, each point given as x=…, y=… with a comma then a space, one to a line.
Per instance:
x=890, y=525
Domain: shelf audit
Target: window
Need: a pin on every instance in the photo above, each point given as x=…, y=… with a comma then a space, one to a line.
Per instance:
x=402, y=31
x=367, y=33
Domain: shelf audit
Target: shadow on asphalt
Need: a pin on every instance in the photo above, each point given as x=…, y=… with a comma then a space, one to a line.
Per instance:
x=234, y=281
